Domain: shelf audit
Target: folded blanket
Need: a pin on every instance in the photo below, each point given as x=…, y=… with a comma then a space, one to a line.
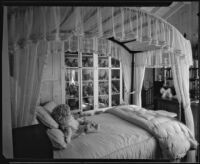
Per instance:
x=174, y=138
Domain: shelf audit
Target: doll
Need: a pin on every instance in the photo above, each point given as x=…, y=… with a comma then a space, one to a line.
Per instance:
x=70, y=126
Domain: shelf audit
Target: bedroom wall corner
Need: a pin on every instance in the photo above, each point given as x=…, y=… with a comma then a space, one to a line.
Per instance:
x=7, y=147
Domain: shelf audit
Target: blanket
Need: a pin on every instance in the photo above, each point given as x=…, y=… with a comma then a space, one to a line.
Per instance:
x=174, y=138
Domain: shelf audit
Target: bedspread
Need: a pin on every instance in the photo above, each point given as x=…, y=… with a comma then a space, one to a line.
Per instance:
x=115, y=139
x=174, y=138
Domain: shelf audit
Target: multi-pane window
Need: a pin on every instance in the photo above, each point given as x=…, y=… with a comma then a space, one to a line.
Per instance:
x=92, y=81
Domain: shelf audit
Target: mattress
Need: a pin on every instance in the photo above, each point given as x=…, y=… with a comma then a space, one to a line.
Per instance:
x=116, y=139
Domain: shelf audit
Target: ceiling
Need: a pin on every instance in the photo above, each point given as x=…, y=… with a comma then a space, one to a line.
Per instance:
x=165, y=11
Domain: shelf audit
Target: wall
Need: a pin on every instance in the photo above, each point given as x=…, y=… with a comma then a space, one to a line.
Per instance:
x=51, y=86
x=7, y=146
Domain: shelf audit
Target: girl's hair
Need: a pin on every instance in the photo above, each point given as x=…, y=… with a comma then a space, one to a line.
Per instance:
x=60, y=113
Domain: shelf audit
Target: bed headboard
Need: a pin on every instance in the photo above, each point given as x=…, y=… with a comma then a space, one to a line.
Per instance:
x=32, y=142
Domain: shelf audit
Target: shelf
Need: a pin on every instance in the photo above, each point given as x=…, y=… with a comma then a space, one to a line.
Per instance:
x=113, y=94
x=103, y=95
x=71, y=67
x=72, y=57
x=71, y=81
x=87, y=97
x=103, y=80
x=115, y=79
x=87, y=81
x=69, y=52
x=91, y=56
x=87, y=54
x=100, y=68
x=90, y=68
x=76, y=98
x=102, y=55
x=115, y=68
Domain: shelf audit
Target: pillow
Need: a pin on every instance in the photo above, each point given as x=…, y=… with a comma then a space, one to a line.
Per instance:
x=57, y=138
x=45, y=117
x=166, y=113
x=50, y=106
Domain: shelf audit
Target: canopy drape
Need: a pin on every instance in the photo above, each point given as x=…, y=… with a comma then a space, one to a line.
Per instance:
x=63, y=23
x=50, y=23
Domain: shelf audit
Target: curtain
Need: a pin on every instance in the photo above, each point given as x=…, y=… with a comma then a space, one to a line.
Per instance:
x=180, y=73
x=25, y=82
x=139, y=72
x=7, y=138
x=126, y=73
x=181, y=83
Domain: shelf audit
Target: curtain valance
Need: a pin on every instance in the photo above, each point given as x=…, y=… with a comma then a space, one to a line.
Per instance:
x=62, y=23
x=165, y=56
x=94, y=45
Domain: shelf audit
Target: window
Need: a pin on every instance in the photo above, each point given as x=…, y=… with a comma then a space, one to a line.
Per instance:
x=92, y=81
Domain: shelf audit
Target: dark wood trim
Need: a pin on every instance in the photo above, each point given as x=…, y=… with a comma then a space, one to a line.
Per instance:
x=122, y=44
x=198, y=121
x=132, y=77
x=132, y=40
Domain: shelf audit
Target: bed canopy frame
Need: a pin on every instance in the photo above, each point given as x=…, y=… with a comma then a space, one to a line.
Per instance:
x=93, y=29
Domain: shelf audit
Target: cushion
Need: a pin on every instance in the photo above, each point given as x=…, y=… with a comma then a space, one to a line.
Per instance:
x=166, y=113
x=45, y=117
x=50, y=106
x=57, y=138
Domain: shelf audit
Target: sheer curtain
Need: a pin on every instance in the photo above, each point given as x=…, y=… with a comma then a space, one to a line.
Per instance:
x=126, y=69
x=27, y=72
x=180, y=73
x=139, y=72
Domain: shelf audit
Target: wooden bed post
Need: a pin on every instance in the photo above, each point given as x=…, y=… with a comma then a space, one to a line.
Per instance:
x=132, y=77
x=198, y=151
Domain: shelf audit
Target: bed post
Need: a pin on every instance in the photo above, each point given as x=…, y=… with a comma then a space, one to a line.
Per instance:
x=198, y=151
x=132, y=77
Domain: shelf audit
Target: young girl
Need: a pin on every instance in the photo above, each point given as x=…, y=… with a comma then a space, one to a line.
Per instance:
x=70, y=126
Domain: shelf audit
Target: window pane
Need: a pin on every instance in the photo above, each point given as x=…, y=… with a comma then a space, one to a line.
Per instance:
x=71, y=75
x=73, y=103
x=71, y=59
x=115, y=87
x=87, y=89
x=115, y=100
x=103, y=101
x=103, y=88
x=72, y=88
x=87, y=60
x=115, y=74
x=87, y=74
x=115, y=63
x=88, y=103
x=103, y=74
x=103, y=61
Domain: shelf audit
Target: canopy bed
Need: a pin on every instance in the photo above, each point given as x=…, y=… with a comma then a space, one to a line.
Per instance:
x=35, y=32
